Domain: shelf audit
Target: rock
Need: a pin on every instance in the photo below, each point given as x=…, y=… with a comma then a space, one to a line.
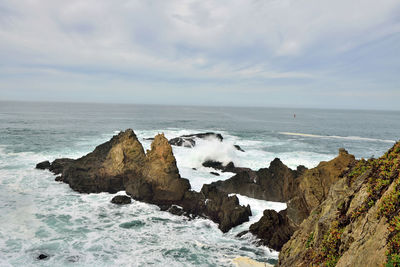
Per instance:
x=238, y=148
x=121, y=164
x=217, y=165
x=274, y=229
x=215, y=173
x=217, y=206
x=103, y=170
x=190, y=139
x=350, y=226
x=213, y=164
x=42, y=257
x=43, y=165
x=121, y=200
x=314, y=184
x=276, y=183
x=160, y=175
x=176, y=210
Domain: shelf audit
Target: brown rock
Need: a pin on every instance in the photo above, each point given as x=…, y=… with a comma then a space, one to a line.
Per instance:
x=103, y=169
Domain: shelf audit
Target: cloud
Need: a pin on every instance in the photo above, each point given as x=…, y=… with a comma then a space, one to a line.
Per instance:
x=253, y=45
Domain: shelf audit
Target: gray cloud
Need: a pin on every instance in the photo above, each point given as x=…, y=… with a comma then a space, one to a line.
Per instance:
x=143, y=49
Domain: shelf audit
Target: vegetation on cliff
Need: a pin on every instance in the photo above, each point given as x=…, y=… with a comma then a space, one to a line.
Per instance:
x=358, y=224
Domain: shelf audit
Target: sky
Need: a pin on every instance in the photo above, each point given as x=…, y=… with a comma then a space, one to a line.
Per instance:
x=278, y=53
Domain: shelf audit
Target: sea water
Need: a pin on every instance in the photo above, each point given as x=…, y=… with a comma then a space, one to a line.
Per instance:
x=41, y=216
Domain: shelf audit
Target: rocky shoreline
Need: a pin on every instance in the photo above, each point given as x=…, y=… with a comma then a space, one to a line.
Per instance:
x=321, y=225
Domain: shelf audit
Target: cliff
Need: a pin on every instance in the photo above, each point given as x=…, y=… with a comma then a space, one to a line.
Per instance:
x=358, y=222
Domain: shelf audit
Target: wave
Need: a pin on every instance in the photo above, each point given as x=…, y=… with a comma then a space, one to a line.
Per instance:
x=355, y=138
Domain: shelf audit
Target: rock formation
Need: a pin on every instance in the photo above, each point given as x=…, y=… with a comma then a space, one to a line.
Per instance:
x=358, y=223
x=190, y=139
x=306, y=191
x=121, y=200
x=121, y=164
x=273, y=229
x=276, y=183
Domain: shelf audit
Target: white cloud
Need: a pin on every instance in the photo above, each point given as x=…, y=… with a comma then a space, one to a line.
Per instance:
x=200, y=40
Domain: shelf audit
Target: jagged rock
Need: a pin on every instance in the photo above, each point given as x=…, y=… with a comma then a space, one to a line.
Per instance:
x=160, y=182
x=121, y=200
x=190, y=139
x=217, y=206
x=215, y=173
x=42, y=257
x=230, y=167
x=43, y=165
x=238, y=148
x=103, y=169
x=274, y=229
x=276, y=183
x=350, y=226
x=314, y=184
x=121, y=164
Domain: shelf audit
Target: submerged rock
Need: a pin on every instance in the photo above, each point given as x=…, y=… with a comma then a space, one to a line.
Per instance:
x=42, y=256
x=121, y=200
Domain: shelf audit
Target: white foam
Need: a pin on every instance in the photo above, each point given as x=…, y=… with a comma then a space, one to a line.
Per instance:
x=355, y=138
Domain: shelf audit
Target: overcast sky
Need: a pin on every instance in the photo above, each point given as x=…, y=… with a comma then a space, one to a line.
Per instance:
x=290, y=53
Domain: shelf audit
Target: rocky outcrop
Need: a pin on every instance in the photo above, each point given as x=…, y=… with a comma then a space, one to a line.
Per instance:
x=274, y=229
x=276, y=183
x=44, y=165
x=314, y=184
x=216, y=205
x=358, y=222
x=103, y=169
x=121, y=200
x=121, y=164
x=190, y=139
x=306, y=191
x=159, y=182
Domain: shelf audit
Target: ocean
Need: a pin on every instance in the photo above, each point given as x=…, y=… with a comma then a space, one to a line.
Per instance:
x=39, y=215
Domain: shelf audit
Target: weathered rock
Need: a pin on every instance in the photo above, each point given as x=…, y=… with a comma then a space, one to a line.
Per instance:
x=160, y=176
x=274, y=229
x=314, y=184
x=121, y=164
x=238, y=148
x=217, y=206
x=276, y=183
x=103, y=169
x=121, y=200
x=350, y=227
x=42, y=257
x=217, y=165
x=190, y=139
x=43, y=165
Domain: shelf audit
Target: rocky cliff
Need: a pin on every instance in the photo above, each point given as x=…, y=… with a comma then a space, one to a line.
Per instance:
x=358, y=222
x=308, y=190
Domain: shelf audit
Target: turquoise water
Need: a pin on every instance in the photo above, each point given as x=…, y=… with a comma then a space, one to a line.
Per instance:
x=39, y=215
